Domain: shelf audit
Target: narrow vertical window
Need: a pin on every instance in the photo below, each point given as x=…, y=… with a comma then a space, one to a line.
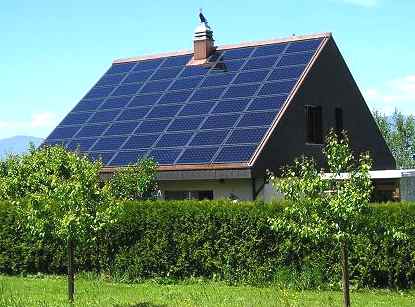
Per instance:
x=314, y=125
x=338, y=114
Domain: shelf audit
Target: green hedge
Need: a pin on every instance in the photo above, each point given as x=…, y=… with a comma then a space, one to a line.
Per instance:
x=219, y=240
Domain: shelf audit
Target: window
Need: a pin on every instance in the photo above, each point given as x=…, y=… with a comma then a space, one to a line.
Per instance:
x=314, y=126
x=181, y=195
x=338, y=115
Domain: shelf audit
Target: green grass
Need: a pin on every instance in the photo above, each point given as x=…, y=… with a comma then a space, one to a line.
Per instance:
x=51, y=291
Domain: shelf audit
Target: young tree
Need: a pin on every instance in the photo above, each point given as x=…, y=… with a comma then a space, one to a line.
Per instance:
x=63, y=193
x=399, y=133
x=327, y=205
x=135, y=182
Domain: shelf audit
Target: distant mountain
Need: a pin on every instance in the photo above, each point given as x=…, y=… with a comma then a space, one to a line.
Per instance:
x=17, y=144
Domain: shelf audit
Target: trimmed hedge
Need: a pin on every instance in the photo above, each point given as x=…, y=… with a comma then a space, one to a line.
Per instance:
x=219, y=240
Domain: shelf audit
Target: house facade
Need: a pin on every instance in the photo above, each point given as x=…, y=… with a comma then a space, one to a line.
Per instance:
x=216, y=118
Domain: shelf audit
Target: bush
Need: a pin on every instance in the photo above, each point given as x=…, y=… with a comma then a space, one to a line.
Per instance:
x=220, y=240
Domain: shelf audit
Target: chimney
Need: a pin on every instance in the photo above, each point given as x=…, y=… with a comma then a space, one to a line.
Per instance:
x=203, y=40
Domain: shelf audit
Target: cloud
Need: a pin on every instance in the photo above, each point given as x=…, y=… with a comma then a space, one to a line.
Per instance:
x=362, y=3
x=398, y=93
x=38, y=121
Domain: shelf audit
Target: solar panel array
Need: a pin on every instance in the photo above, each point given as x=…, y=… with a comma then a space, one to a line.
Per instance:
x=181, y=114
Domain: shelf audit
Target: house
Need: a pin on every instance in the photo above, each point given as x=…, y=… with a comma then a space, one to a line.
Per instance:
x=217, y=117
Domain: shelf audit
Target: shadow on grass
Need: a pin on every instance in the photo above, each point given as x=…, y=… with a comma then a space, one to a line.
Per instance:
x=143, y=304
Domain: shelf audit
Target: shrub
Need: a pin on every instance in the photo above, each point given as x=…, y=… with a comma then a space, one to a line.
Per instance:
x=223, y=241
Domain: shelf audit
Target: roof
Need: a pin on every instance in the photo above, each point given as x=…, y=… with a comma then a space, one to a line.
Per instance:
x=213, y=116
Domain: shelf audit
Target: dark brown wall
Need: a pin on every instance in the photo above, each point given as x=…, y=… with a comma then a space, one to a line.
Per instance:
x=328, y=84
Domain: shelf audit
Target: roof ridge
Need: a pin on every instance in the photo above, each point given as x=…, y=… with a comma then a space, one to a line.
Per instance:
x=225, y=47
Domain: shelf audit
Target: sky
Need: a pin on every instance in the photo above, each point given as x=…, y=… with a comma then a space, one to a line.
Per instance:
x=53, y=52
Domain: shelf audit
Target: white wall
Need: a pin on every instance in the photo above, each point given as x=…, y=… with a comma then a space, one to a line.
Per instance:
x=242, y=188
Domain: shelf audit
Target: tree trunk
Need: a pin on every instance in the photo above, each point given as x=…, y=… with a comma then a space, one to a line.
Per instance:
x=345, y=274
x=71, y=277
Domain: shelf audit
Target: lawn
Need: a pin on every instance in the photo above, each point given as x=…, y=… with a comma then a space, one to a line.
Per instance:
x=51, y=291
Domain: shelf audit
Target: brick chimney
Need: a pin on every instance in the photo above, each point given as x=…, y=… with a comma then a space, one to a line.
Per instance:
x=203, y=43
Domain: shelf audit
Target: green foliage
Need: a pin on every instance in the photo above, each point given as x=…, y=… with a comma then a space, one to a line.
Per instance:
x=220, y=240
x=135, y=182
x=326, y=206
x=62, y=190
x=399, y=133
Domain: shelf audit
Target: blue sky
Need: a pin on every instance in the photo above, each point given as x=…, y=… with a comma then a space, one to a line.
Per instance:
x=52, y=52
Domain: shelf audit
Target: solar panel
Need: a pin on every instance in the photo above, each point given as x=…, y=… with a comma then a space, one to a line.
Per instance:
x=174, y=139
x=167, y=73
x=103, y=116
x=99, y=92
x=207, y=93
x=258, y=63
x=141, y=141
x=155, y=86
x=110, y=80
x=115, y=102
x=185, y=123
x=197, y=155
x=110, y=143
x=215, y=137
x=151, y=126
x=187, y=83
x=231, y=154
x=176, y=61
x=186, y=114
x=295, y=59
x=63, y=132
x=306, y=45
x=217, y=80
x=127, y=157
x=274, y=88
x=238, y=53
x=121, y=128
x=272, y=49
x=241, y=91
x=121, y=68
x=81, y=144
x=251, y=76
x=221, y=121
x=147, y=64
x=88, y=105
x=133, y=114
x=228, y=106
x=128, y=89
x=194, y=71
x=164, y=111
x=144, y=100
x=227, y=66
x=246, y=136
x=92, y=130
x=75, y=118
x=165, y=156
x=257, y=119
x=196, y=108
x=105, y=157
x=291, y=72
x=138, y=77
x=267, y=103
x=175, y=97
